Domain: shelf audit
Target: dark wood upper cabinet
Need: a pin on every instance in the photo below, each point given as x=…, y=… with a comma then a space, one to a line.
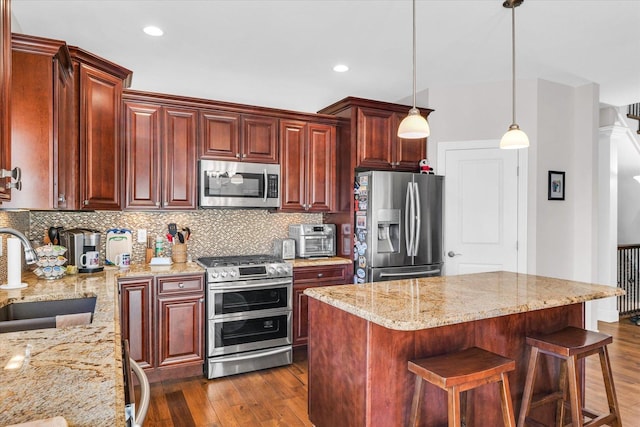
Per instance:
x=375, y=140
x=308, y=166
x=5, y=93
x=226, y=135
x=179, y=186
x=160, y=142
x=42, y=87
x=142, y=147
x=259, y=139
x=378, y=145
x=219, y=134
x=100, y=148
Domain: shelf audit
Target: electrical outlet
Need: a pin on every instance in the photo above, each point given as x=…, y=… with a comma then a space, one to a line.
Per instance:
x=142, y=236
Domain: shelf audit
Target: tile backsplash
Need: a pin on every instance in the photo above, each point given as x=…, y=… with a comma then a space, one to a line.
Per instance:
x=214, y=231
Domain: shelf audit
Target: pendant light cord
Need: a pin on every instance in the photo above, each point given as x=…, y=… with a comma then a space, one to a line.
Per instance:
x=513, y=62
x=414, y=53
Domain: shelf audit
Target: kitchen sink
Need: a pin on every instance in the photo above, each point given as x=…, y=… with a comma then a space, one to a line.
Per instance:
x=24, y=316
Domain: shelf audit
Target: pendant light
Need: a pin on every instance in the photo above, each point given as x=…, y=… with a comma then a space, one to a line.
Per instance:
x=514, y=138
x=414, y=126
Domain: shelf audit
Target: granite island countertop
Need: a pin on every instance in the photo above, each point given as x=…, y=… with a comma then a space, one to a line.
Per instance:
x=74, y=372
x=414, y=304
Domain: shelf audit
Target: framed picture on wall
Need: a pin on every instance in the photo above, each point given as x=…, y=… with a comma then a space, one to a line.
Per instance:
x=556, y=185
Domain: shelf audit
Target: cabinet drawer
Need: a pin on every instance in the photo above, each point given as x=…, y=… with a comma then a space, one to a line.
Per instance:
x=326, y=274
x=176, y=284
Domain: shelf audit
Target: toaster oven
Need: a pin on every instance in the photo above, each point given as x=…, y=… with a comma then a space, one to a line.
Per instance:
x=314, y=240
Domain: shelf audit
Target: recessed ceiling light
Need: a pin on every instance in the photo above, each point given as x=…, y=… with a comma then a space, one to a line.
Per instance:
x=340, y=68
x=153, y=31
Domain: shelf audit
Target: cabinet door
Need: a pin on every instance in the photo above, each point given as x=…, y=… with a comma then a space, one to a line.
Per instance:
x=307, y=277
x=32, y=127
x=408, y=152
x=179, y=158
x=321, y=167
x=300, y=316
x=375, y=138
x=5, y=90
x=292, y=166
x=142, y=151
x=180, y=329
x=259, y=139
x=136, y=318
x=100, y=149
x=219, y=135
x=66, y=157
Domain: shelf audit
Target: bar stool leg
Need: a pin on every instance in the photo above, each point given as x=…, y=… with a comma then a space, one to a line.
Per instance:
x=574, y=392
x=528, y=386
x=563, y=389
x=416, y=402
x=508, y=416
x=609, y=387
x=453, y=396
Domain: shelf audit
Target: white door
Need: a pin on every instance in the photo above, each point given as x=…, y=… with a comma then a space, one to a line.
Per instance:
x=481, y=209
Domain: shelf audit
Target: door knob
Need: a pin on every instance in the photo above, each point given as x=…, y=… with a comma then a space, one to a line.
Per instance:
x=452, y=254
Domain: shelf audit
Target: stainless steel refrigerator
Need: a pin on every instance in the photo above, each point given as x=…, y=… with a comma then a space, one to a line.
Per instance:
x=398, y=226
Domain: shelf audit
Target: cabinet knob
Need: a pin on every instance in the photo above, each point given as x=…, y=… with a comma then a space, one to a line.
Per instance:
x=17, y=185
x=237, y=155
x=181, y=285
x=62, y=198
x=85, y=202
x=201, y=300
x=15, y=173
x=158, y=204
x=320, y=275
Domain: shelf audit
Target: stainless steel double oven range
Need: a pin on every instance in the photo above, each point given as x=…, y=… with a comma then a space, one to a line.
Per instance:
x=249, y=309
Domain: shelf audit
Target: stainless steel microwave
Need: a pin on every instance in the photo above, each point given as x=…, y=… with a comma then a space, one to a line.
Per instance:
x=224, y=184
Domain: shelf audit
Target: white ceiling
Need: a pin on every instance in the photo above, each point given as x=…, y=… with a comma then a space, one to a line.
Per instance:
x=281, y=53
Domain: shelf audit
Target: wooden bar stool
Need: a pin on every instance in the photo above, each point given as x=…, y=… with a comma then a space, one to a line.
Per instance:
x=458, y=372
x=570, y=344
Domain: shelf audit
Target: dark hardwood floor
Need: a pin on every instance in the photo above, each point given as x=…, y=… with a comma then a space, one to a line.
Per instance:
x=278, y=397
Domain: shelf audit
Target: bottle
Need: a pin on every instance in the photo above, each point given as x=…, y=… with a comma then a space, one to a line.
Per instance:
x=159, y=246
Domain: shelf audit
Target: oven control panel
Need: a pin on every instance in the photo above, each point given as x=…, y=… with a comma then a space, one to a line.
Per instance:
x=262, y=271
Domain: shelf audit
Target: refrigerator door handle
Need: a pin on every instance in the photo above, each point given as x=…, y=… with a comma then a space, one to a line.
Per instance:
x=418, y=219
x=408, y=232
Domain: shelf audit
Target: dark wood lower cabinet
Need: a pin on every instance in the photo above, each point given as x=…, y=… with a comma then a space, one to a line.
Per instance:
x=136, y=318
x=308, y=277
x=163, y=319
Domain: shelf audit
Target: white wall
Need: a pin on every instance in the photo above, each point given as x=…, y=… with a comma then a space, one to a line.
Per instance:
x=561, y=123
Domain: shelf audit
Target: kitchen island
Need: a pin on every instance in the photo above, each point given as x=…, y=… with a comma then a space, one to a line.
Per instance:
x=361, y=337
x=73, y=372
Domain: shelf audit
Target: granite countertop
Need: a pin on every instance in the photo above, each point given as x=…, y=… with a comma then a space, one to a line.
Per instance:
x=414, y=304
x=311, y=262
x=74, y=372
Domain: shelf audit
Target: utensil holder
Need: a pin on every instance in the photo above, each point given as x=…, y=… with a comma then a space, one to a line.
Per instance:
x=179, y=252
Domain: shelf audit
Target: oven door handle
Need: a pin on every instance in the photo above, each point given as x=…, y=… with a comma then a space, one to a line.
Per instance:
x=225, y=287
x=254, y=355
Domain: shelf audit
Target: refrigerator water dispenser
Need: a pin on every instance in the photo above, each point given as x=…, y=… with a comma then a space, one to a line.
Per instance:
x=388, y=230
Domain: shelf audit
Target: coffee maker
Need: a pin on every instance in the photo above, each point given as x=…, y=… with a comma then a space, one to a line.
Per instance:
x=79, y=241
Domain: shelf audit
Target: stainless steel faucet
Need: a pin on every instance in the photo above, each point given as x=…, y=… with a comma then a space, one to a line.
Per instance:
x=30, y=255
